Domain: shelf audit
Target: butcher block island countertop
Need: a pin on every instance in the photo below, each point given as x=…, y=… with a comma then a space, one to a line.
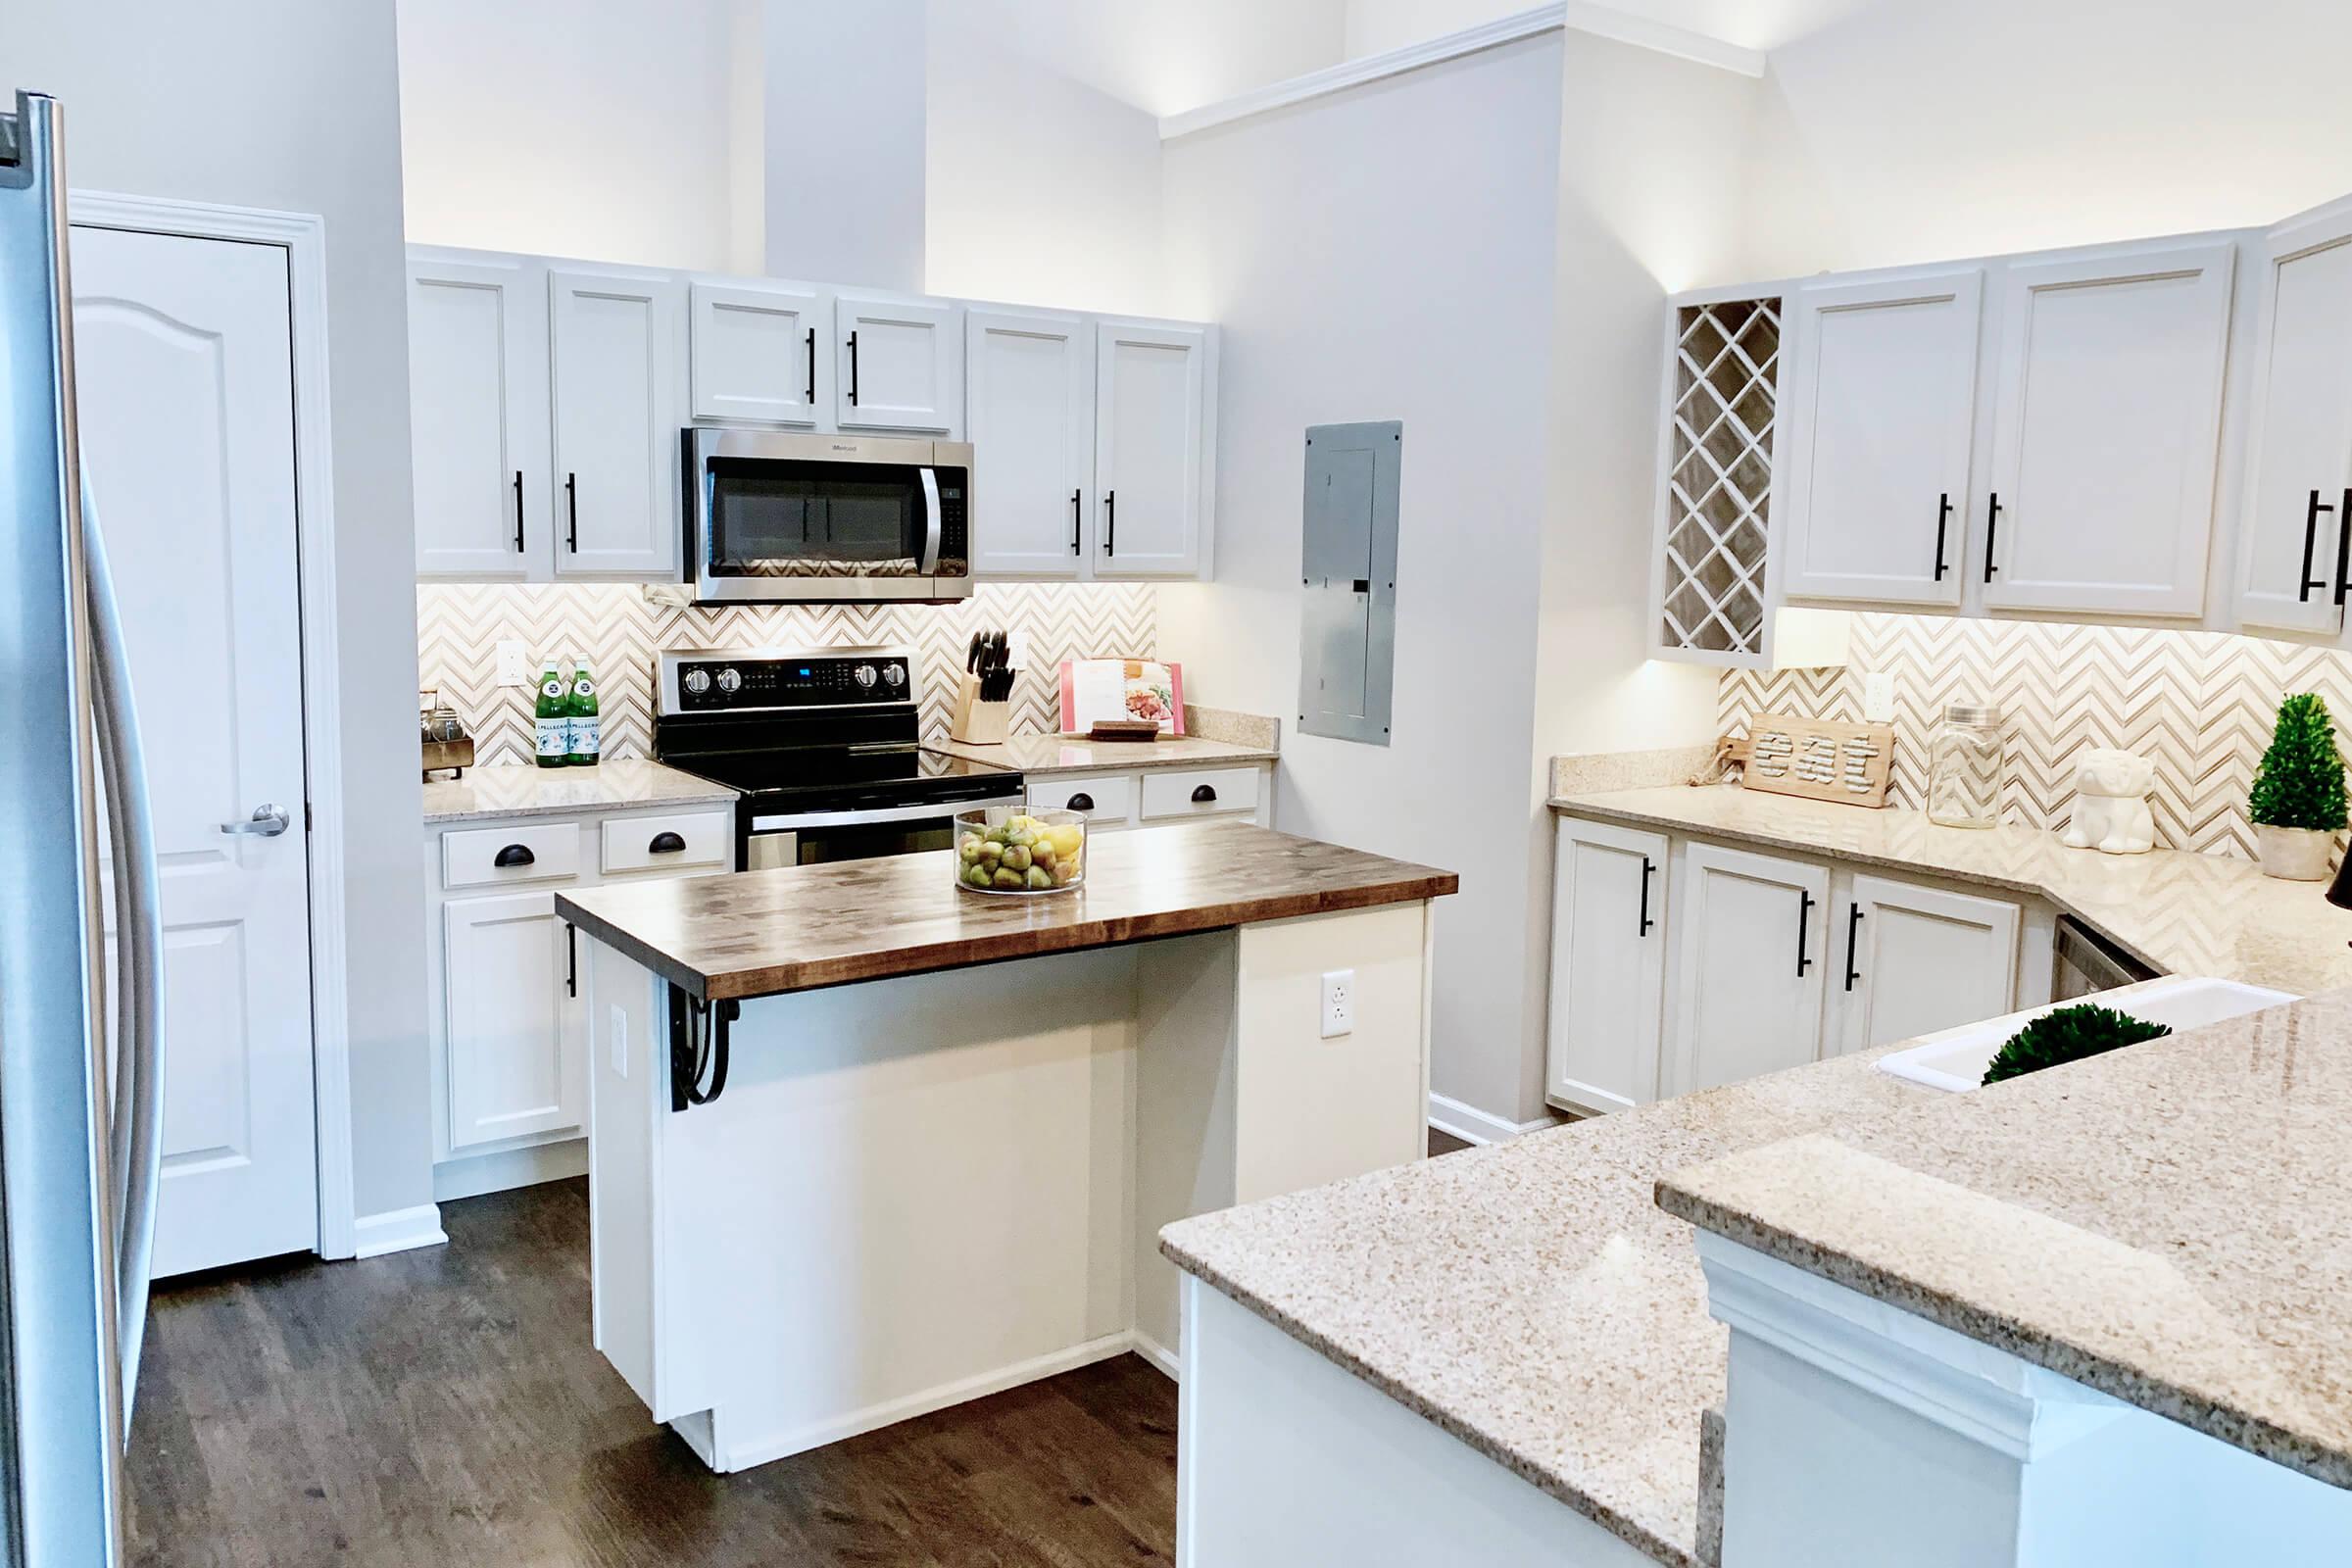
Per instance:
x=764, y=932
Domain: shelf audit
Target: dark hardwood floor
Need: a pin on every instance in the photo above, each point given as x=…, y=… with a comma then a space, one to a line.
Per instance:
x=444, y=1407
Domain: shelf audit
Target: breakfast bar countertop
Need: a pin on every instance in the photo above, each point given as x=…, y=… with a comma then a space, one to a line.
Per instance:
x=2170, y=1224
x=2181, y=913
x=796, y=928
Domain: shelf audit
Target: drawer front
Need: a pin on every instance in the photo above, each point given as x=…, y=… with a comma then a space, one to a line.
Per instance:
x=531, y=852
x=1204, y=792
x=678, y=842
x=1109, y=798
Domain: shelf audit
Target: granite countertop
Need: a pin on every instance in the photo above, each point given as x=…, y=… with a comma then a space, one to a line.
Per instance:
x=800, y=928
x=1531, y=1297
x=507, y=791
x=2170, y=1224
x=1038, y=756
x=2181, y=913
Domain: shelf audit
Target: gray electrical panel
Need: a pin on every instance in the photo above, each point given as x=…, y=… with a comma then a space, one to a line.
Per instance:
x=1347, y=652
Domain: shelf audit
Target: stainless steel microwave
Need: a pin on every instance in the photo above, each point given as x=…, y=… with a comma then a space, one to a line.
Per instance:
x=789, y=518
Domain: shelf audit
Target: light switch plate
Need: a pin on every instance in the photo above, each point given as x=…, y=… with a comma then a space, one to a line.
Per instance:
x=1878, y=697
x=1016, y=650
x=511, y=670
x=1338, y=1002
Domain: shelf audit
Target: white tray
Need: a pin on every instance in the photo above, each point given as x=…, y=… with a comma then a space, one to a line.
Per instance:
x=1955, y=1059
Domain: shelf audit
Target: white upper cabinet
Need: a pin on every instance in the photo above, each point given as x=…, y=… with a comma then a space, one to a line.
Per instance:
x=898, y=365
x=762, y=352
x=1876, y=428
x=1030, y=415
x=1919, y=959
x=2297, y=532
x=1151, y=469
x=2107, y=430
x=1750, y=963
x=617, y=374
x=1608, y=966
x=477, y=415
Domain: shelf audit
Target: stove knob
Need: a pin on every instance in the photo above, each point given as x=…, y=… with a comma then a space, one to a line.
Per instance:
x=698, y=681
x=864, y=675
x=730, y=680
x=896, y=674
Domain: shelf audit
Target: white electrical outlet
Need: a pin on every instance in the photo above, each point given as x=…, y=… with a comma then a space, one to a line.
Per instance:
x=1338, y=1002
x=1878, y=697
x=511, y=670
x=621, y=1042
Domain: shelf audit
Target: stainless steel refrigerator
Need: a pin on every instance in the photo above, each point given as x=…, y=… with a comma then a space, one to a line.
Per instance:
x=79, y=1101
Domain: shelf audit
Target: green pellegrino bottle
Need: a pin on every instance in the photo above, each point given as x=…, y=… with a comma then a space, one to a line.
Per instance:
x=552, y=712
x=587, y=734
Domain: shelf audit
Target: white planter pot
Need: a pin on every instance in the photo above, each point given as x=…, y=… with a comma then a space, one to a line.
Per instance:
x=2295, y=853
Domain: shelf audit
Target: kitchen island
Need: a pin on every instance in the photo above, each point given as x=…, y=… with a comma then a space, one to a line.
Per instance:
x=863, y=1143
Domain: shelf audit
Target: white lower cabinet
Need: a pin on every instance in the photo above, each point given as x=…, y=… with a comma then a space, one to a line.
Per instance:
x=1608, y=966
x=1159, y=797
x=1918, y=960
x=1678, y=965
x=518, y=1058
x=1750, y=963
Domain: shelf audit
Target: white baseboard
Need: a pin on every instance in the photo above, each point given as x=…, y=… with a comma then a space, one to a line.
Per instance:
x=744, y=1455
x=473, y=1175
x=1475, y=1126
x=1158, y=1354
x=398, y=1230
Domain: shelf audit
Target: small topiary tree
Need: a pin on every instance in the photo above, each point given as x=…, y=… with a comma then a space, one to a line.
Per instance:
x=2070, y=1034
x=2301, y=780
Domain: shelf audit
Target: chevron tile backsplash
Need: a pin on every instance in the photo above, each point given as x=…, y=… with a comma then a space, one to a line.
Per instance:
x=2199, y=704
x=459, y=626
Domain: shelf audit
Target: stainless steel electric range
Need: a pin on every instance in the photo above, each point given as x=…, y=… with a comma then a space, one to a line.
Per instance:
x=824, y=745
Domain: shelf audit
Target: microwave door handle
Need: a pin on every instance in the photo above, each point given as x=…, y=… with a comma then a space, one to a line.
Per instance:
x=928, y=566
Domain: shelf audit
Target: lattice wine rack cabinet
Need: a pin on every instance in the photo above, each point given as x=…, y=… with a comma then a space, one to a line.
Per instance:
x=1715, y=496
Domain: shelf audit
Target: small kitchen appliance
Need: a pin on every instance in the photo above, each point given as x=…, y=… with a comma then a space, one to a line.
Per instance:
x=823, y=745
x=781, y=518
x=447, y=748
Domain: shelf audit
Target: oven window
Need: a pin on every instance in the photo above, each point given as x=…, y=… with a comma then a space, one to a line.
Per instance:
x=772, y=519
x=848, y=841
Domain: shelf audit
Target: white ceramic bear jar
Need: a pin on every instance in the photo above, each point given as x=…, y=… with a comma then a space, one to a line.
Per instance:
x=2111, y=804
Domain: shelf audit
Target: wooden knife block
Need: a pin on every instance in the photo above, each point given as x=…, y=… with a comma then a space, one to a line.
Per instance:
x=973, y=722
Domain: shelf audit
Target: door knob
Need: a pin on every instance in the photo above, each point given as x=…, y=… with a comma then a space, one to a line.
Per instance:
x=267, y=823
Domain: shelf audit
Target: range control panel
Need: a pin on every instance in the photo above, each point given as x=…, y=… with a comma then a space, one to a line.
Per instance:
x=719, y=682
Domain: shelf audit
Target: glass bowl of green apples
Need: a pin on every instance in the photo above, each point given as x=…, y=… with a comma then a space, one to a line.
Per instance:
x=1014, y=851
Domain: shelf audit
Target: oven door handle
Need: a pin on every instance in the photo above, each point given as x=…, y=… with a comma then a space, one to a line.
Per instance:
x=928, y=566
x=939, y=810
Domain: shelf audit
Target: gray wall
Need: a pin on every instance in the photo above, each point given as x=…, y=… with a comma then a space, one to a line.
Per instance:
x=293, y=103
x=1387, y=253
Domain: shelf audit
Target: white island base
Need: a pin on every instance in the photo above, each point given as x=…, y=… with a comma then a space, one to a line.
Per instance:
x=916, y=1191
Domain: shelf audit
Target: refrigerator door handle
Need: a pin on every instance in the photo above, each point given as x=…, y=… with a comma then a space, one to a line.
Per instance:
x=136, y=1143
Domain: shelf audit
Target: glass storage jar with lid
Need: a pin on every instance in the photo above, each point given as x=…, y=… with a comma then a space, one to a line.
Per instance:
x=1964, y=766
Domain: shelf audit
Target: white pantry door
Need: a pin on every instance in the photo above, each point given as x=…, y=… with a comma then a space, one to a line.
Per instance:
x=184, y=383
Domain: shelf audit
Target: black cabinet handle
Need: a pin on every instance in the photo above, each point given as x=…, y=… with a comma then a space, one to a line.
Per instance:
x=1080, y=802
x=1110, y=522
x=1853, y=938
x=1648, y=869
x=2311, y=539
x=571, y=506
x=1804, y=917
x=2343, y=548
x=571, y=959
x=1203, y=794
x=852, y=370
x=1944, y=515
x=515, y=854
x=519, y=516
x=666, y=843
x=1992, y=527
x=1077, y=503
x=811, y=393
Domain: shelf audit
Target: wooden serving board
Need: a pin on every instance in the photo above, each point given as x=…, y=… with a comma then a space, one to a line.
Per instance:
x=1820, y=759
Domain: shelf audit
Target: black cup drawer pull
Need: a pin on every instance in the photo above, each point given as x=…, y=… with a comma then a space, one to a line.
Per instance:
x=666, y=844
x=1203, y=794
x=1080, y=802
x=515, y=854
